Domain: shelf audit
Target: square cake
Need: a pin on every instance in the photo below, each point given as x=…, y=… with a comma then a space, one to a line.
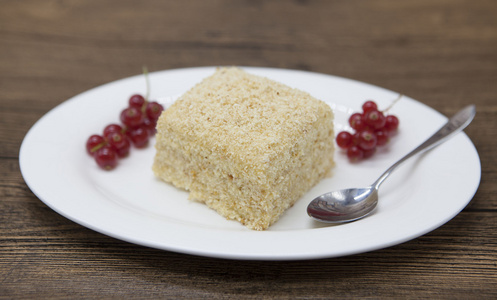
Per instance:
x=246, y=146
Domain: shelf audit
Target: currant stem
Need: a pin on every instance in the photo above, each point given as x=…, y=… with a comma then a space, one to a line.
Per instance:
x=393, y=103
x=145, y=72
x=102, y=144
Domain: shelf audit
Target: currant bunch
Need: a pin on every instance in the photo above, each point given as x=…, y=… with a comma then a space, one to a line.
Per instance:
x=138, y=120
x=372, y=129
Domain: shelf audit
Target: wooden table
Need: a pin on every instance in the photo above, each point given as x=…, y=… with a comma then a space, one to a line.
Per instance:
x=442, y=53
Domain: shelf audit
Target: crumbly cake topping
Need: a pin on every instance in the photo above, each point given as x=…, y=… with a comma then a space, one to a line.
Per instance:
x=239, y=105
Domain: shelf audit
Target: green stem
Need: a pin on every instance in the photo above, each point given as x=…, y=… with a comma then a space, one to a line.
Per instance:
x=392, y=104
x=145, y=72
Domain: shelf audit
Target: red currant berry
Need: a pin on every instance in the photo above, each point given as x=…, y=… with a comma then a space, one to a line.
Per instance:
x=136, y=101
x=391, y=123
x=94, y=143
x=368, y=153
x=367, y=140
x=356, y=121
x=138, y=136
x=381, y=137
x=354, y=153
x=106, y=158
x=154, y=110
x=112, y=128
x=344, y=139
x=375, y=119
x=369, y=105
x=132, y=117
x=150, y=126
x=119, y=142
x=355, y=139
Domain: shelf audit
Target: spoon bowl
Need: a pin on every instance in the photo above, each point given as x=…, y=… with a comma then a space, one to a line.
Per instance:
x=352, y=204
x=348, y=205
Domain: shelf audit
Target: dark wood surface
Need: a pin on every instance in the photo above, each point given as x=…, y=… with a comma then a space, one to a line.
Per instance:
x=442, y=53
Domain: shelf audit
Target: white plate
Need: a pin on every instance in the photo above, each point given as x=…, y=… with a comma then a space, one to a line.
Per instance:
x=128, y=203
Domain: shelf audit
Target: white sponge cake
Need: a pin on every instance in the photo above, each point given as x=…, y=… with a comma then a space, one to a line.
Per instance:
x=246, y=146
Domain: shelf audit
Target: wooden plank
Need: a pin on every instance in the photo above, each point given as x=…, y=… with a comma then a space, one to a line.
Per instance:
x=440, y=52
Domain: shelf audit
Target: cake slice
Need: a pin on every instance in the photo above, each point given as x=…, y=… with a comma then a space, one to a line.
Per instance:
x=246, y=146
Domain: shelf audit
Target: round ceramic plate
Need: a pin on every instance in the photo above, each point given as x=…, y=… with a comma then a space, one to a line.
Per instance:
x=130, y=204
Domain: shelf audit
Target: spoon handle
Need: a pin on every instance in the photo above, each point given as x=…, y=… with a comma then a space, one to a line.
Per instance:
x=454, y=125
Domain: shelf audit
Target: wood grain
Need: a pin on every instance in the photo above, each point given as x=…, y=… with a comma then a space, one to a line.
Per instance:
x=442, y=53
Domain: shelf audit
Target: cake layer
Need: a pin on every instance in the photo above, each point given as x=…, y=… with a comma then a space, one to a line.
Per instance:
x=245, y=145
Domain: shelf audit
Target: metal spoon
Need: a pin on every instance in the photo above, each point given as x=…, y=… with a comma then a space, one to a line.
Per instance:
x=353, y=204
